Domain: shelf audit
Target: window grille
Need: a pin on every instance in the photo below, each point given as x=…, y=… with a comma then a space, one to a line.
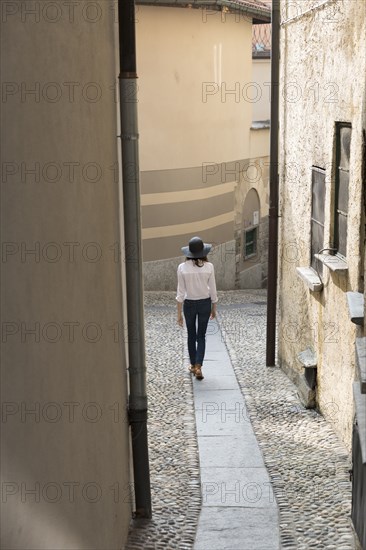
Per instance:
x=317, y=215
x=343, y=148
x=261, y=41
x=250, y=242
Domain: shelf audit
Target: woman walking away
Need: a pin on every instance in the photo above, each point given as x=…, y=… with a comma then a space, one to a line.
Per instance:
x=197, y=292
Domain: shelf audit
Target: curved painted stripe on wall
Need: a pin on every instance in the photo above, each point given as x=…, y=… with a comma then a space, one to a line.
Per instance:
x=184, y=228
x=172, y=197
x=208, y=174
x=160, y=248
x=158, y=215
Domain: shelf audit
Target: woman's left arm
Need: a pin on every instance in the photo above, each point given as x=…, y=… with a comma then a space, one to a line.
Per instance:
x=213, y=311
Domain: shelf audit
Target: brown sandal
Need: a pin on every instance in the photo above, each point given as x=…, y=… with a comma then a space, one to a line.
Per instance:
x=198, y=372
x=192, y=369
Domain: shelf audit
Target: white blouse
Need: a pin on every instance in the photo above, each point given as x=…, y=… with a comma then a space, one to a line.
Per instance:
x=196, y=283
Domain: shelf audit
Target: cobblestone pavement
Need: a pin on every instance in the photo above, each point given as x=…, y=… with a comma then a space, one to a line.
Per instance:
x=307, y=464
x=173, y=451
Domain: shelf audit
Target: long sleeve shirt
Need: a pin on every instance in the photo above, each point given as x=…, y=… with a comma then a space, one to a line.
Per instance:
x=196, y=283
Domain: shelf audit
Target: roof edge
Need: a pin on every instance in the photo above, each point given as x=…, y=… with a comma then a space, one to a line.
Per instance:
x=260, y=14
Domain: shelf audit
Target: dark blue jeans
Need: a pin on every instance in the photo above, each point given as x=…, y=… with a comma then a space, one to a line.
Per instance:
x=197, y=314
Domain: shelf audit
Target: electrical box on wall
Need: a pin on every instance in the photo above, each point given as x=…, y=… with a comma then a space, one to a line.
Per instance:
x=256, y=218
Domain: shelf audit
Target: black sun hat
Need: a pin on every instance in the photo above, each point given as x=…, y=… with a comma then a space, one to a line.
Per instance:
x=196, y=248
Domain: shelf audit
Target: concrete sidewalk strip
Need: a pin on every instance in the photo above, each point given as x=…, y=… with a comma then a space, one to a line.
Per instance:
x=245, y=528
x=219, y=357
x=220, y=423
x=237, y=487
x=213, y=368
x=216, y=358
x=230, y=400
x=239, y=511
x=215, y=383
x=230, y=452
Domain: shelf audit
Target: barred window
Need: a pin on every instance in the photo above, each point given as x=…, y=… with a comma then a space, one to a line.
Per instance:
x=317, y=215
x=343, y=148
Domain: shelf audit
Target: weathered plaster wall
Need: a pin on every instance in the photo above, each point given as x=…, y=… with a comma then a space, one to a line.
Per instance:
x=322, y=81
x=64, y=448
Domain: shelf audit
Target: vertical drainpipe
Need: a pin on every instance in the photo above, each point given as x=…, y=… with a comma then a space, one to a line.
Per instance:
x=134, y=281
x=273, y=183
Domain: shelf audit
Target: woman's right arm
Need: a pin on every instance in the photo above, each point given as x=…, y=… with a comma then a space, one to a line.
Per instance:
x=181, y=291
x=180, y=316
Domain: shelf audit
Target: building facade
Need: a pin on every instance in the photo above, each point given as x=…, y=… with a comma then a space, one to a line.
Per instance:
x=322, y=163
x=322, y=218
x=204, y=164
x=65, y=453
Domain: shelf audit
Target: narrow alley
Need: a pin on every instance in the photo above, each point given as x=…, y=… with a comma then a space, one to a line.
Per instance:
x=183, y=193
x=285, y=484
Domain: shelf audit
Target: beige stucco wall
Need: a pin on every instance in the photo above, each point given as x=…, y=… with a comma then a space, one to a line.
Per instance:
x=65, y=466
x=188, y=61
x=262, y=77
x=316, y=91
x=259, y=143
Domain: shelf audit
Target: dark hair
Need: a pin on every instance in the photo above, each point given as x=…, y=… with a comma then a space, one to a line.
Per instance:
x=197, y=260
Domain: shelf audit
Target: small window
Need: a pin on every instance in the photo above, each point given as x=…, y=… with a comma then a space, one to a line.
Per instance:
x=343, y=149
x=317, y=215
x=250, y=242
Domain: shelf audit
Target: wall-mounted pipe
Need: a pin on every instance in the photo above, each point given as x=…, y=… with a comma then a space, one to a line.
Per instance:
x=134, y=279
x=273, y=186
